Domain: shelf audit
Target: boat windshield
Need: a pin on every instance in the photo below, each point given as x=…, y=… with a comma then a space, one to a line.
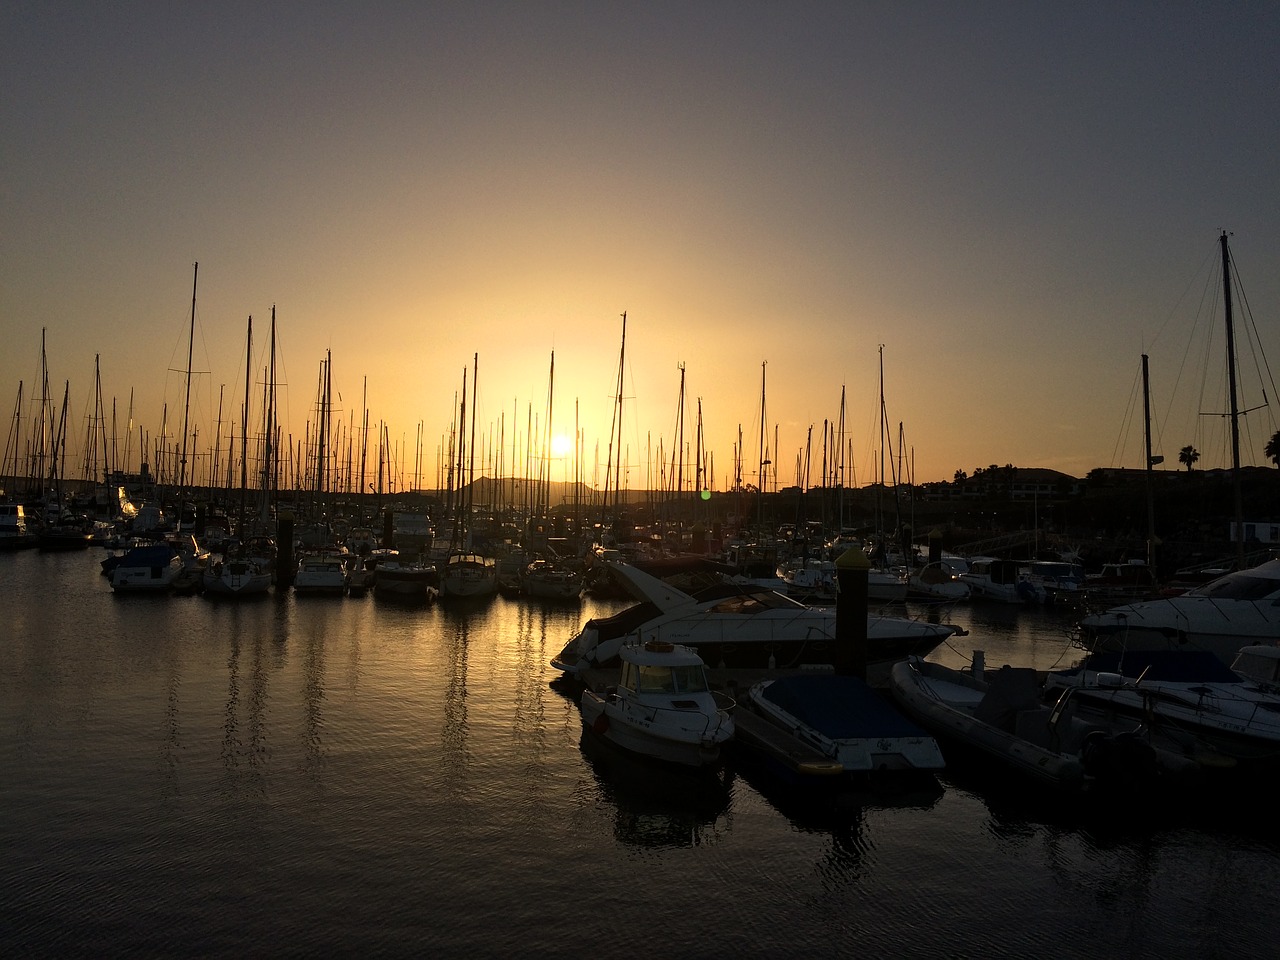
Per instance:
x=686, y=679
x=749, y=604
x=1239, y=586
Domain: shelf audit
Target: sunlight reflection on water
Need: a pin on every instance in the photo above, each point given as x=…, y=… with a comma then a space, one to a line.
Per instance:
x=307, y=776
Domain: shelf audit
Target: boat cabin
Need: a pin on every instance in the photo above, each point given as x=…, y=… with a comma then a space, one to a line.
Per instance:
x=662, y=668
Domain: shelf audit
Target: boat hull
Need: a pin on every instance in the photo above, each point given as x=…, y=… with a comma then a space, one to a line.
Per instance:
x=623, y=732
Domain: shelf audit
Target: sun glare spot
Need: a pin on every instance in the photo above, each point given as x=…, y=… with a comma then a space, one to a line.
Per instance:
x=561, y=446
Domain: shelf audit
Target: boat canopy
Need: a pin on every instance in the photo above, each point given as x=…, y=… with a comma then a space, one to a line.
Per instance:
x=839, y=707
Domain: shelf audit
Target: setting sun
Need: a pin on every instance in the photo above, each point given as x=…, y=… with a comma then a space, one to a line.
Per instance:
x=561, y=446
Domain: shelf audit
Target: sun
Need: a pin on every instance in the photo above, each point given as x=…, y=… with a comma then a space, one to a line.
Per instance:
x=561, y=446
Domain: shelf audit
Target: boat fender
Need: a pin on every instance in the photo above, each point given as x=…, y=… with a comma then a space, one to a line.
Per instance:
x=600, y=724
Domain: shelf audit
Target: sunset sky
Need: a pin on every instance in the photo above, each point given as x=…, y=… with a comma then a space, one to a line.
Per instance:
x=1016, y=199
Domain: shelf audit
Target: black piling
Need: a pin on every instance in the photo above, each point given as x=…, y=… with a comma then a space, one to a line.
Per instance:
x=286, y=565
x=852, y=568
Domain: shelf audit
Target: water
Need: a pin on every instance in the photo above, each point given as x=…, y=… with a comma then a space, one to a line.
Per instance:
x=316, y=776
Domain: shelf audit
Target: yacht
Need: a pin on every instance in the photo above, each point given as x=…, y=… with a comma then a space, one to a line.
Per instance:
x=734, y=624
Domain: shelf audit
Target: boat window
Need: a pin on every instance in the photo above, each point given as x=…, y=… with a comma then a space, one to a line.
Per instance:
x=689, y=679
x=628, y=678
x=655, y=680
x=1239, y=587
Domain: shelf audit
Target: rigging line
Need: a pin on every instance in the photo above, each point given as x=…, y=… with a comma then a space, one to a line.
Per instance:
x=1126, y=423
x=1214, y=254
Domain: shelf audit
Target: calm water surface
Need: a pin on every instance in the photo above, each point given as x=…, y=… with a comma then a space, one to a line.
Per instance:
x=326, y=777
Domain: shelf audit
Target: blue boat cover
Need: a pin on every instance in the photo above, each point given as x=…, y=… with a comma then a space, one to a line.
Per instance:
x=841, y=708
x=152, y=555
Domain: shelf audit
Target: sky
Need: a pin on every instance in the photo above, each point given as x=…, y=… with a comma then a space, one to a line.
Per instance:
x=1007, y=204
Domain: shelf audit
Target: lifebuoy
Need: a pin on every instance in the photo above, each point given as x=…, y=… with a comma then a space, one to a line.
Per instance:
x=659, y=646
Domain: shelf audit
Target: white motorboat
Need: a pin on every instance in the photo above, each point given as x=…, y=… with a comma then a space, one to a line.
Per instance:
x=236, y=577
x=812, y=582
x=661, y=707
x=1221, y=616
x=1190, y=697
x=1004, y=581
x=146, y=569
x=846, y=720
x=937, y=582
x=1061, y=580
x=1002, y=715
x=400, y=578
x=887, y=584
x=321, y=573
x=547, y=580
x=731, y=624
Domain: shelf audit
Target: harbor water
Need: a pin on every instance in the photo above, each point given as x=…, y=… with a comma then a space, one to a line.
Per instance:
x=325, y=777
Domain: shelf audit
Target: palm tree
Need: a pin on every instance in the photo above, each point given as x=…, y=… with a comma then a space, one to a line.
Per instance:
x=1272, y=449
x=1188, y=455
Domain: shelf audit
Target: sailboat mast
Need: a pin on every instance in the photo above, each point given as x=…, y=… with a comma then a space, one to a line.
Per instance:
x=186, y=404
x=471, y=463
x=1235, y=411
x=1151, y=503
x=763, y=460
x=244, y=424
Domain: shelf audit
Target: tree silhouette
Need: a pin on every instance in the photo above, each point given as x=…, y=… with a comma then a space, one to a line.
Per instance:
x=1272, y=449
x=1188, y=455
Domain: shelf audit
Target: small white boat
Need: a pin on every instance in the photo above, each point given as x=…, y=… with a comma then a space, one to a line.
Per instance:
x=937, y=582
x=237, y=577
x=661, y=707
x=468, y=575
x=846, y=720
x=399, y=578
x=321, y=573
x=1003, y=716
x=546, y=580
x=146, y=569
x=1004, y=581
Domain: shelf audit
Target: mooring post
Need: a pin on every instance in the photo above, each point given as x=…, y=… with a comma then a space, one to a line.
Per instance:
x=286, y=565
x=852, y=568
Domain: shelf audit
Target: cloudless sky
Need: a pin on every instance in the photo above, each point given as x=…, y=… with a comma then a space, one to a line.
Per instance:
x=1016, y=199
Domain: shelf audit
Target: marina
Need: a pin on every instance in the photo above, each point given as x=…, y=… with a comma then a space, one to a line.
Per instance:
x=323, y=774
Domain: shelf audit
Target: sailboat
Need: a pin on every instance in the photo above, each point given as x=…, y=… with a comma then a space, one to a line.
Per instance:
x=465, y=572
x=237, y=572
x=1221, y=616
x=885, y=584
